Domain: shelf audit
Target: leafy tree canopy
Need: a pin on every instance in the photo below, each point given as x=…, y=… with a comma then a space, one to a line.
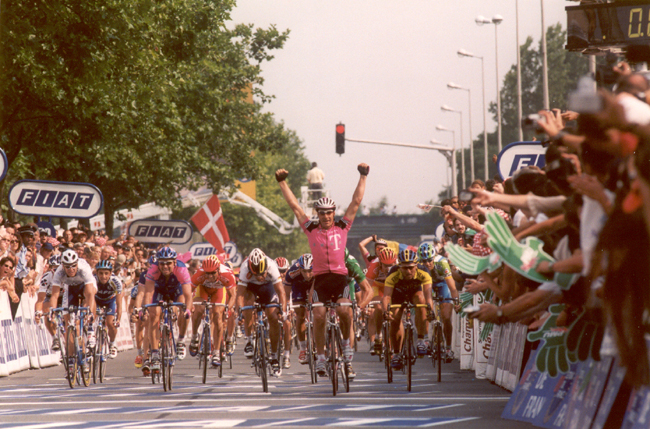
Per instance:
x=140, y=98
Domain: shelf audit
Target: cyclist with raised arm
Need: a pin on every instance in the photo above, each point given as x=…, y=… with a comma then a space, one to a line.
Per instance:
x=408, y=284
x=327, y=241
x=259, y=279
x=109, y=297
x=298, y=282
x=76, y=278
x=283, y=267
x=167, y=280
x=380, y=244
x=443, y=284
x=212, y=281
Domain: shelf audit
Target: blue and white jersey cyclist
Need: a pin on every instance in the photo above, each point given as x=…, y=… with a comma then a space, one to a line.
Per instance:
x=75, y=277
x=109, y=297
x=443, y=286
x=260, y=280
x=167, y=280
x=298, y=281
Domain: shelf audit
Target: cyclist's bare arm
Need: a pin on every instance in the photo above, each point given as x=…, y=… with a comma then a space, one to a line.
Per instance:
x=280, y=176
x=362, y=248
x=279, y=289
x=451, y=284
x=357, y=197
x=428, y=296
x=367, y=293
x=241, y=293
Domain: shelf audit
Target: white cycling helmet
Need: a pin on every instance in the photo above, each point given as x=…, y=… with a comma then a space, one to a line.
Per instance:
x=325, y=203
x=257, y=262
x=69, y=257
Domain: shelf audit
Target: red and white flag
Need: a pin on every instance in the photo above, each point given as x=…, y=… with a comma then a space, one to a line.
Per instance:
x=210, y=223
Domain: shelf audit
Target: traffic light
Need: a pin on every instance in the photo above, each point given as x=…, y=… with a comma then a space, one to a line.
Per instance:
x=340, y=139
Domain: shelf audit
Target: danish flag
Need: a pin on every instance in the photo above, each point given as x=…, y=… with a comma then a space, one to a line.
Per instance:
x=210, y=223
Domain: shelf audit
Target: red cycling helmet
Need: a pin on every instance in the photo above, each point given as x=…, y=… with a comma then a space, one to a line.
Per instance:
x=283, y=264
x=387, y=256
x=211, y=264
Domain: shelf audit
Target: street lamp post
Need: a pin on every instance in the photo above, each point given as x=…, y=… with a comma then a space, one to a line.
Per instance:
x=464, y=53
x=450, y=154
x=496, y=20
x=446, y=108
x=452, y=85
x=453, y=137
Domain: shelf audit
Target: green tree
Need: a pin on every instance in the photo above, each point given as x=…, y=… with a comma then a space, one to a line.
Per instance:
x=248, y=230
x=564, y=70
x=139, y=98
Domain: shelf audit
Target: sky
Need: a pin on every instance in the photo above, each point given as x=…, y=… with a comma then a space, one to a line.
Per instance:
x=381, y=67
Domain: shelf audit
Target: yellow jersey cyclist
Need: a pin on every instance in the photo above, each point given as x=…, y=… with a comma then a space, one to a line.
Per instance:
x=408, y=283
x=444, y=287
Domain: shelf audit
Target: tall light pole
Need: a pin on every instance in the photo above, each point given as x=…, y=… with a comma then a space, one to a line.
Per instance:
x=547, y=103
x=519, y=113
x=450, y=154
x=453, y=137
x=464, y=53
x=496, y=20
x=452, y=85
x=446, y=108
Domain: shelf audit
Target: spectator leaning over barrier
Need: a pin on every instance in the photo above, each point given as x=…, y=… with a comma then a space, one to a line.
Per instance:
x=22, y=270
x=5, y=239
x=7, y=267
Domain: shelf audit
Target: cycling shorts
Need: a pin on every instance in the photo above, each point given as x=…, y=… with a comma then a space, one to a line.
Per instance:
x=404, y=293
x=214, y=295
x=299, y=291
x=110, y=306
x=265, y=293
x=171, y=295
x=330, y=287
x=442, y=290
x=74, y=295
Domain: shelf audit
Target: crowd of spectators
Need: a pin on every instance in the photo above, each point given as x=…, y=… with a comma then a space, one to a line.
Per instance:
x=590, y=207
x=26, y=249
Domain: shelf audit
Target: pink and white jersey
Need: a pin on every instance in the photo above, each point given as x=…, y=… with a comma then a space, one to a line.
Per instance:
x=180, y=272
x=328, y=246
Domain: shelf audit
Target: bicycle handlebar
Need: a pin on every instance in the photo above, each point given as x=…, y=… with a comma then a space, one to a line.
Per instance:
x=331, y=304
x=260, y=306
x=165, y=304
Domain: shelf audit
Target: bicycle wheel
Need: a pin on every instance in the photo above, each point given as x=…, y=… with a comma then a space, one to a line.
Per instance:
x=71, y=356
x=261, y=359
x=387, y=355
x=333, y=360
x=343, y=368
x=222, y=358
x=97, y=356
x=171, y=358
x=205, y=351
x=439, y=349
x=407, y=353
x=163, y=357
x=86, y=359
x=310, y=354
